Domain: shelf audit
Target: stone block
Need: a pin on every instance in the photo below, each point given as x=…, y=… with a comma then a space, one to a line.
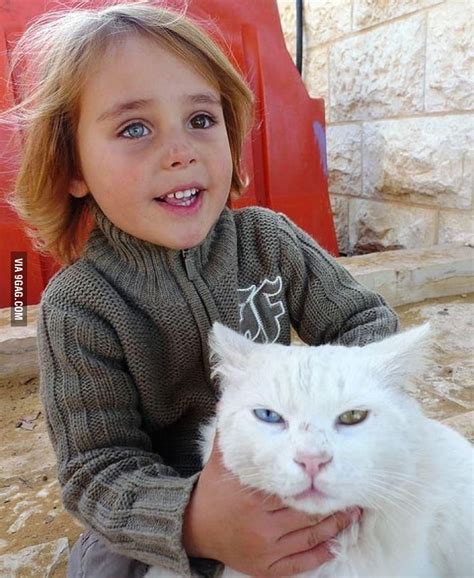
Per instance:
x=425, y=160
x=413, y=275
x=456, y=227
x=326, y=21
x=323, y=21
x=47, y=560
x=344, y=145
x=370, y=12
x=315, y=72
x=378, y=73
x=380, y=227
x=450, y=57
x=340, y=210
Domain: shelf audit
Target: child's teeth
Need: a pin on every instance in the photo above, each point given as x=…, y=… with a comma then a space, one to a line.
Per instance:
x=183, y=194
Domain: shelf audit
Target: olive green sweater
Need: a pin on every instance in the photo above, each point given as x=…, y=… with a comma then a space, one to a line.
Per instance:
x=124, y=370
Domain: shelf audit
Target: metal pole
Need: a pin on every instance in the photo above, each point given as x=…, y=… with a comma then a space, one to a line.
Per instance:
x=299, y=35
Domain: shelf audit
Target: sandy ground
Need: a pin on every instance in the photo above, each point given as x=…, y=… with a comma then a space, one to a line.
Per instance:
x=31, y=513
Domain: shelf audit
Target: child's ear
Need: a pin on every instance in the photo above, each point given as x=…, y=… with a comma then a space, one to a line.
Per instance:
x=78, y=188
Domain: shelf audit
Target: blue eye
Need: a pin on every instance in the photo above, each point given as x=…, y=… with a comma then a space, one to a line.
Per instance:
x=268, y=415
x=135, y=130
x=203, y=121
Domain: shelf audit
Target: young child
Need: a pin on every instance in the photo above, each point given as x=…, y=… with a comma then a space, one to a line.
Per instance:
x=136, y=118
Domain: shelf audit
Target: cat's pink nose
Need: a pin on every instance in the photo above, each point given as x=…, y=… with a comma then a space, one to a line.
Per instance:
x=312, y=463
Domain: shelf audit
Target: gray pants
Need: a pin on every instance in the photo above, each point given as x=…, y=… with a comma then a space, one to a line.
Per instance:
x=90, y=558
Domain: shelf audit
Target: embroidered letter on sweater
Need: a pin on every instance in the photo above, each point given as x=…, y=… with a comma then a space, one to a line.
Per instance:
x=260, y=310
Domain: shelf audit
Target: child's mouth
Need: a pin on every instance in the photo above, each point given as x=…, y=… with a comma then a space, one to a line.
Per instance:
x=185, y=198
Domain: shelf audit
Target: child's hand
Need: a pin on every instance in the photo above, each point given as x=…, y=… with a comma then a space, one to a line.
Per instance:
x=253, y=532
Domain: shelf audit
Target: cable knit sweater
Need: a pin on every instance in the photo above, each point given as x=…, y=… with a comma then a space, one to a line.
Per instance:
x=124, y=370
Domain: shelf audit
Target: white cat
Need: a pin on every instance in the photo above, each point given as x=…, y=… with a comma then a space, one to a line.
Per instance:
x=284, y=407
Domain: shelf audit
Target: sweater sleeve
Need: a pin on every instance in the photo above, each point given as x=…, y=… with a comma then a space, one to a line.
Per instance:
x=326, y=304
x=110, y=478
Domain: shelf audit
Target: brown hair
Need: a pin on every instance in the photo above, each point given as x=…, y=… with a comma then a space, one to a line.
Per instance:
x=58, y=49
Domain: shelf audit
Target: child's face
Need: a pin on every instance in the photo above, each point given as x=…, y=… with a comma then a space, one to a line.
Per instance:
x=175, y=142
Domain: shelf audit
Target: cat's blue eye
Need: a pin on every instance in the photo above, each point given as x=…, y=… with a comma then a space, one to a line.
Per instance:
x=135, y=130
x=268, y=415
x=203, y=121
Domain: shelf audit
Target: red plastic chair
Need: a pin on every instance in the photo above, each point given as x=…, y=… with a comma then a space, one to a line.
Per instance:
x=285, y=155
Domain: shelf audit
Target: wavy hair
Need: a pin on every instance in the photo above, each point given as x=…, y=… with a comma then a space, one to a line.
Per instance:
x=50, y=64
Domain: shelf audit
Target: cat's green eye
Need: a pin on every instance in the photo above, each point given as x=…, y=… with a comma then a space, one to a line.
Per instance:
x=352, y=416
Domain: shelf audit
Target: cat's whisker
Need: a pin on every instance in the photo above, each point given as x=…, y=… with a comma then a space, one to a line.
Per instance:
x=409, y=488
x=228, y=476
x=394, y=474
x=388, y=487
x=242, y=472
x=252, y=491
x=412, y=482
x=401, y=491
x=390, y=520
x=387, y=472
x=386, y=476
x=246, y=485
x=395, y=523
x=395, y=498
x=266, y=498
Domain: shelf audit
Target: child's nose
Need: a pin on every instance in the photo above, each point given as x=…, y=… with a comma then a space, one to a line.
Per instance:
x=312, y=463
x=178, y=154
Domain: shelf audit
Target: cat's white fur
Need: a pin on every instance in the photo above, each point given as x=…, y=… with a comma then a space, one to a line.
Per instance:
x=412, y=476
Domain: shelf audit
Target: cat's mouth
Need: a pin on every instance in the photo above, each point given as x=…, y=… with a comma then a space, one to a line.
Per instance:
x=311, y=492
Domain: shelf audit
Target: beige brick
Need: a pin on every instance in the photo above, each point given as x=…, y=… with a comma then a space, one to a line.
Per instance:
x=323, y=21
x=326, y=21
x=379, y=227
x=370, y=12
x=421, y=160
x=378, y=73
x=340, y=210
x=344, y=144
x=455, y=227
x=450, y=57
x=315, y=72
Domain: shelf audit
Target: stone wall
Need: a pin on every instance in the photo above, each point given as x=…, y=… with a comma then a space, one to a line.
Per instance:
x=397, y=77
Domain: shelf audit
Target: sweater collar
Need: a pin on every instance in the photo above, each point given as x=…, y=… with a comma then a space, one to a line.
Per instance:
x=210, y=258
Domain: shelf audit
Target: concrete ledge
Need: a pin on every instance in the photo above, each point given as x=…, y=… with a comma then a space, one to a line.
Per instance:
x=404, y=276
x=413, y=275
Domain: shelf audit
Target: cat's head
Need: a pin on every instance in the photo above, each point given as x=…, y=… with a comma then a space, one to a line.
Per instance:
x=324, y=427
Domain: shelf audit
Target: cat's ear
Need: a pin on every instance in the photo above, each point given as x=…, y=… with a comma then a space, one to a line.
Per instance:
x=229, y=351
x=403, y=355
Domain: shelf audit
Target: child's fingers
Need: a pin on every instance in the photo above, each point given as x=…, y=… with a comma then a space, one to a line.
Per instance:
x=288, y=520
x=300, y=562
x=307, y=538
x=271, y=503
